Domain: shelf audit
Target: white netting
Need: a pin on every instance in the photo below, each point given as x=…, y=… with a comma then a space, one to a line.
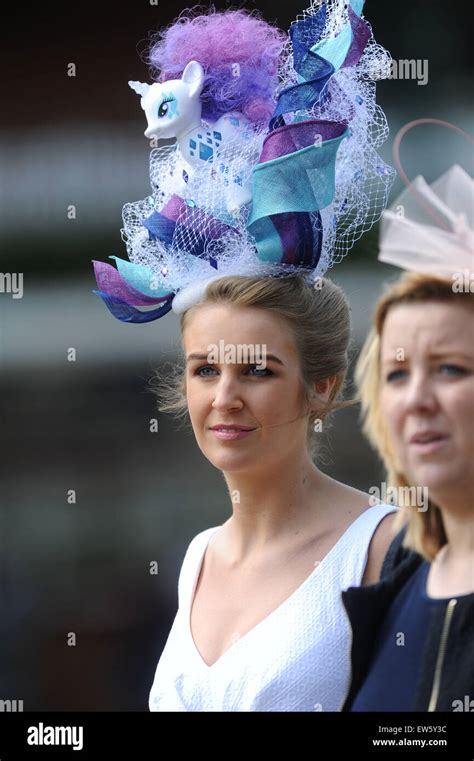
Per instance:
x=206, y=218
x=363, y=180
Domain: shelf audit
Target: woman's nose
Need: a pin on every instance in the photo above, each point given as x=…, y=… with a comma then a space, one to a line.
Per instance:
x=226, y=393
x=420, y=394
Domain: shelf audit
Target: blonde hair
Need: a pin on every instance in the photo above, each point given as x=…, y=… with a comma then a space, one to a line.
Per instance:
x=318, y=316
x=425, y=530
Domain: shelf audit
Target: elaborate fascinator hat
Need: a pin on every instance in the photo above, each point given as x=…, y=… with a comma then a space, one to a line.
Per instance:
x=430, y=228
x=274, y=169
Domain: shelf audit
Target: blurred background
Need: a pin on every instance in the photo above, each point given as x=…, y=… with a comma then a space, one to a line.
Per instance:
x=89, y=496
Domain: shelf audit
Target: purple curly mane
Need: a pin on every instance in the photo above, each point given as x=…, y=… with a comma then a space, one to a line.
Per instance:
x=219, y=41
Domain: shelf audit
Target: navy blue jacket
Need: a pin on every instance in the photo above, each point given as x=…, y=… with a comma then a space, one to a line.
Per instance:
x=446, y=681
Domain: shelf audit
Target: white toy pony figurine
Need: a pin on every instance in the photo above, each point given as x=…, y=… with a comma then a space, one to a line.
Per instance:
x=173, y=109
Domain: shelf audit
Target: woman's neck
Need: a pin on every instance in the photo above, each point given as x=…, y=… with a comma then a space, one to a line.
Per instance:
x=459, y=529
x=267, y=505
x=452, y=571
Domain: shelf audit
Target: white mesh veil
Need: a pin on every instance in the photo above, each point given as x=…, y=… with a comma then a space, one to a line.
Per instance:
x=362, y=182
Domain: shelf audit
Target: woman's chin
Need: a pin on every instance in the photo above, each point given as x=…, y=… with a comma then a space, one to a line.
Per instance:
x=233, y=463
x=440, y=479
x=230, y=458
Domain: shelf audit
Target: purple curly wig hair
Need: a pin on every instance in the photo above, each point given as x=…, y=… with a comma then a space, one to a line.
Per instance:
x=239, y=52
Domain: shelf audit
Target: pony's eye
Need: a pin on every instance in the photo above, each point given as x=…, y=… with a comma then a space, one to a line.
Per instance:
x=163, y=109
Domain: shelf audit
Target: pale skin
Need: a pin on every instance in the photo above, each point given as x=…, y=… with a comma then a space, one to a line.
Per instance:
x=432, y=390
x=290, y=514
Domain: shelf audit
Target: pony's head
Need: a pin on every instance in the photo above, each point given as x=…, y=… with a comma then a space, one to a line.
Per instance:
x=172, y=107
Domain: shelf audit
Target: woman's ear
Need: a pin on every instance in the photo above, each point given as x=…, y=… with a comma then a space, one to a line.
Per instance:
x=323, y=388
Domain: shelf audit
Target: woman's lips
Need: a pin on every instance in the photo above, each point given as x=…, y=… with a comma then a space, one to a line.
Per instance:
x=231, y=434
x=428, y=442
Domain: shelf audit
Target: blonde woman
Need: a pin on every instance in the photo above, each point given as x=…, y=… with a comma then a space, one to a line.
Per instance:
x=413, y=632
x=265, y=187
x=260, y=624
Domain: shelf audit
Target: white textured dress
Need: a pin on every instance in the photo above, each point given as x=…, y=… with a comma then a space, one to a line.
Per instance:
x=296, y=659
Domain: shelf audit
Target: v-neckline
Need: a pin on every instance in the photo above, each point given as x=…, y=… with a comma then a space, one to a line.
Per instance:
x=284, y=604
x=259, y=624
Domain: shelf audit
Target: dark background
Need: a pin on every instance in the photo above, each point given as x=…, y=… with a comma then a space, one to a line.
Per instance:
x=83, y=568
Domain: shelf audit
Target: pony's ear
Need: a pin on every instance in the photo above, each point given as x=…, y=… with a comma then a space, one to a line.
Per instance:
x=193, y=75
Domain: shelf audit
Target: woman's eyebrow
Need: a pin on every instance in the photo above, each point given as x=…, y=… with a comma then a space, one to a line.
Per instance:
x=438, y=354
x=195, y=355
x=442, y=353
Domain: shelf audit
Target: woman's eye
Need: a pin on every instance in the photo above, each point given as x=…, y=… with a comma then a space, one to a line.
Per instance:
x=261, y=370
x=204, y=367
x=200, y=371
x=395, y=375
x=454, y=370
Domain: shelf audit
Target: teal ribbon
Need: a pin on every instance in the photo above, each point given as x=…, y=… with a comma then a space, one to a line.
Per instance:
x=335, y=50
x=300, y=181
x=142, y=278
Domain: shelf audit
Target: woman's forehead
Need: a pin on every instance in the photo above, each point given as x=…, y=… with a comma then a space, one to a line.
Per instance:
x=240, y=324
x=428, y=326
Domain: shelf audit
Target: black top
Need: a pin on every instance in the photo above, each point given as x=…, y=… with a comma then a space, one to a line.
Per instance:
x=393, y=673
x=444, y=666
